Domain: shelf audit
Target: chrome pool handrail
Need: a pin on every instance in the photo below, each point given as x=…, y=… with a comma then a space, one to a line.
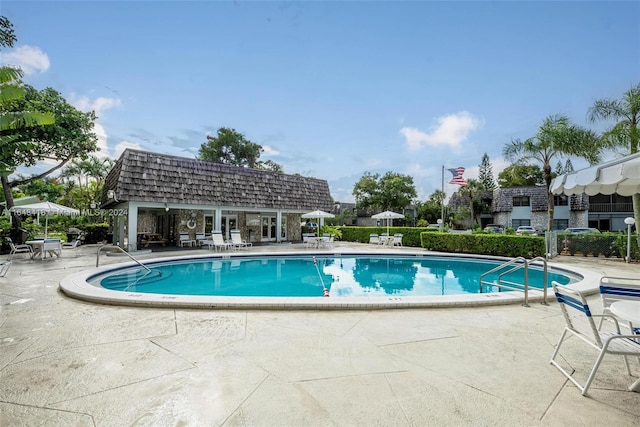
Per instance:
x=121, y=250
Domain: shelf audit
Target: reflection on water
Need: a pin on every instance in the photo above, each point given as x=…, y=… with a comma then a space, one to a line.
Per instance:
x=343, y=276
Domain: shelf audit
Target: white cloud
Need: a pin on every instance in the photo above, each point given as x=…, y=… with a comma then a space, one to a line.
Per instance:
x=450, y=131
x=415, y=169
x=99, y=105
x=269, y=151
x=29, y=58
x=123, y=145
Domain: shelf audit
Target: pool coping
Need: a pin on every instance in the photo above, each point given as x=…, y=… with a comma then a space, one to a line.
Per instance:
x=76, y=285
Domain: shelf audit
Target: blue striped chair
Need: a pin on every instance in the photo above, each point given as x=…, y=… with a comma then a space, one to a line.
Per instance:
x=614, y=289
x=579, y=322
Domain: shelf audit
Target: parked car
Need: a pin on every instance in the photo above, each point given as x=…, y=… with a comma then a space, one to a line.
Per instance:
x=494, y=228
x=527, y=230
x=581, y=230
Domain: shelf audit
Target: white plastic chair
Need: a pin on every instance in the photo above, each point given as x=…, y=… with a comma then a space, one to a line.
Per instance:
x=374, y=239
x=217, y=241
x=186, y=240
x=18, y=249
x=397, y=239
x=579, y=322
x=236, y=240
x=4, y=267
x=614, y=289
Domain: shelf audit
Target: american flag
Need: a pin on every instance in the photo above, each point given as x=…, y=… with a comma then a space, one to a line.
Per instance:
x=457, y=176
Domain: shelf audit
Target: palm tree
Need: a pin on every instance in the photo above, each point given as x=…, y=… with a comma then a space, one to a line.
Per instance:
x=472, y=190
x=625, y=133
x=557, y=137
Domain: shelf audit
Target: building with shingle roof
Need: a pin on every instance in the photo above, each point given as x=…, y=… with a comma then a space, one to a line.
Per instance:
x=158, y=196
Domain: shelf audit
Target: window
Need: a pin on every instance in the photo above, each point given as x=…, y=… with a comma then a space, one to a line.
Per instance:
x=560, y=224
x=560, y=200
x=521, y=201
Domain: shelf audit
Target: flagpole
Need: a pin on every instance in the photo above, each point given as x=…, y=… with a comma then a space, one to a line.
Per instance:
x=442, y=203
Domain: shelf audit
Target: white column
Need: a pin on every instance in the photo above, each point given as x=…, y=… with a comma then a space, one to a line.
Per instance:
x=132, y=228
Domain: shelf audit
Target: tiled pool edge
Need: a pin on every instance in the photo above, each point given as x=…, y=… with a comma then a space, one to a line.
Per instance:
x=76, y=286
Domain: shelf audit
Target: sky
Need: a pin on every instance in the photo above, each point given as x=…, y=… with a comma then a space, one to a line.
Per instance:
x=331, y=89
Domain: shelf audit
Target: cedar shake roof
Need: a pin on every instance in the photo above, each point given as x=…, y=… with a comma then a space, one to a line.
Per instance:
x=153, y=177
x=503, y=199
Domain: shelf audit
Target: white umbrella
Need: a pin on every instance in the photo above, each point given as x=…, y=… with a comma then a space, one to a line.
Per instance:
x=44, y=208
x=620, y=176
x=388, y=215
x=318, y=214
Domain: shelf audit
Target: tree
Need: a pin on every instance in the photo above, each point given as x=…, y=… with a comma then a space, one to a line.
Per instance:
x=557, y=137
x=230, y=147
x=70, y=136
x=431, y=209
x=485, y=175
x=392, y=191
x=12, y=121
x=472, y=191
x=625, y=133
x=90, y=174
x=269, y=165
x=517, y=175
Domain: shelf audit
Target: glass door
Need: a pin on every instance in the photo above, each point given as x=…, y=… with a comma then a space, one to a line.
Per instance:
x=229, y=222
x=208, y=224
x=268, y=228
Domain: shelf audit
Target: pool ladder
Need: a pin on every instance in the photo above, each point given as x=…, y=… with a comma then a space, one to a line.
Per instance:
x=517, y=264
x=118, y=248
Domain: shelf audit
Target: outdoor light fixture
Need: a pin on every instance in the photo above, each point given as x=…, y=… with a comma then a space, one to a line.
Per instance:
x=629, y=221
x=440, y=224
x=166, y=208
x=111, y=195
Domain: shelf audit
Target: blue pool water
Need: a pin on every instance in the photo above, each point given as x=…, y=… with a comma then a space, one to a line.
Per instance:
x=289, y=276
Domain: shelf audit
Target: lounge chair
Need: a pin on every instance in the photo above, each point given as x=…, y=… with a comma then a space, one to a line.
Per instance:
x=4, y=267
x=218, y=243
x=71, y=245
x=579, y=322
x=236, y=240
x=397, y=239
x=374, y=239
x=18, y=249
x=186, y=240
x=614, y=289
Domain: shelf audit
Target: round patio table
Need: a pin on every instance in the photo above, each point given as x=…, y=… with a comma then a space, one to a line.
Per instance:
x=630, y=311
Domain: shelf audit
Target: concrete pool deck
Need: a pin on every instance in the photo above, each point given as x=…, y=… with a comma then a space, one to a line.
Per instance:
x=69, y=362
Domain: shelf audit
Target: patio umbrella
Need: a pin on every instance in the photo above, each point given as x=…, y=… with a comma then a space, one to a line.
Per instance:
x=620, y=176
x=388, y=215
x=46, y=209
x=319, y=215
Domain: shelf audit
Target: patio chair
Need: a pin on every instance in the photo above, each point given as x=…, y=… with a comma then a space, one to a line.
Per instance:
x=579, y=322
x=71, y=245
x=236, y=240
x=186, y=240
x=397, y=239
x=18, y=249
x=374, y=239
x=201, y=239
x=614, y=289
x=4, y=267
x=217, y=241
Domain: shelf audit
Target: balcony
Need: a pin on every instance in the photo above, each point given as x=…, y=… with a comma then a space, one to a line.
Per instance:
x=611, y=207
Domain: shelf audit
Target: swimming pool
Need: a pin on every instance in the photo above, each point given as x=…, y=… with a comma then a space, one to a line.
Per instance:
x=292, y=280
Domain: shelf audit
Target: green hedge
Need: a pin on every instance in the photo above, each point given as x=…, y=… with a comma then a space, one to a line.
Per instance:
x=410, y=235
x=487, y=244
